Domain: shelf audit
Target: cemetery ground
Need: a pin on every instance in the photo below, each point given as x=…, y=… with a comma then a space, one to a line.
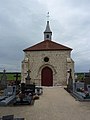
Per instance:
x=54, y=104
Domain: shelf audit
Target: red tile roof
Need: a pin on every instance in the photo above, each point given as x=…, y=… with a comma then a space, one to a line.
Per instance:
x=47, y=45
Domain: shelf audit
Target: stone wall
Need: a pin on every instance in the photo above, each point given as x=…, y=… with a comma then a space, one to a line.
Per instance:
x=34, y=60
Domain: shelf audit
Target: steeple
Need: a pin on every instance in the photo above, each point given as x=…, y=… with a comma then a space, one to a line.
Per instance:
x=47, y=32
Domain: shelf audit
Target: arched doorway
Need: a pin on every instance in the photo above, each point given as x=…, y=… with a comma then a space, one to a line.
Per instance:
x=47, y=77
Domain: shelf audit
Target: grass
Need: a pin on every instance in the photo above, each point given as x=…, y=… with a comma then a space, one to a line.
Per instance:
x=10, y=76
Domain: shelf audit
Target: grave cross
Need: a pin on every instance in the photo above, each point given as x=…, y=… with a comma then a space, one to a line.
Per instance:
x=70, y=81
x=16, y=76
x=70, y=74
x=28, y=77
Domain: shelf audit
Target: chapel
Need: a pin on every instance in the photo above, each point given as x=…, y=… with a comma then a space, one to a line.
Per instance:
x=48, y=62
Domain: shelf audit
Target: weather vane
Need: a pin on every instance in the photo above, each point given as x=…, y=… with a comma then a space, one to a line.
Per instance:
x=48, y=16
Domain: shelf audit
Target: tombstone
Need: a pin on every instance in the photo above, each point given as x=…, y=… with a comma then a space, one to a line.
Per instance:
x=8, y=96
x=79, y=85
x=87, y=80
x=38, y=90
x=23, y=87
x=4, y=80
x=8, y=117
x=10, y=90
x=88, y=88
x=25, y=95
x=28, y=77
x=70, y=81
x=30, y=88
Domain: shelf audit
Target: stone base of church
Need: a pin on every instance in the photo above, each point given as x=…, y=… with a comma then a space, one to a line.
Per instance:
x=47, y=73
x=55, y=83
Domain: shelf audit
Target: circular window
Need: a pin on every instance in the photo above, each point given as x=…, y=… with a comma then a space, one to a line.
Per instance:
x=46, y=59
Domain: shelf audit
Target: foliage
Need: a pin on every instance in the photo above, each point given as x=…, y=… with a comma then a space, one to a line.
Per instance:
x=80, y=76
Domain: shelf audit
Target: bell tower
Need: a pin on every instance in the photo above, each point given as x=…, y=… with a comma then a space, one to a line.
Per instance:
x=47, y=32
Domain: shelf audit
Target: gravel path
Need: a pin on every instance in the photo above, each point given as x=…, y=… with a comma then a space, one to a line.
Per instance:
x=54, y=104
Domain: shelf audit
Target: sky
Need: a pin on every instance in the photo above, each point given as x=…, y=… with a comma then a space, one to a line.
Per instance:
x=22, y=23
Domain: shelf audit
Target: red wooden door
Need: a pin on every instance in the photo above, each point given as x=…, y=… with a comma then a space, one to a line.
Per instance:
x=47, y=77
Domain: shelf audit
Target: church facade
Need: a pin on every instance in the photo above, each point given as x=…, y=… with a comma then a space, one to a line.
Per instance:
x=48, y=62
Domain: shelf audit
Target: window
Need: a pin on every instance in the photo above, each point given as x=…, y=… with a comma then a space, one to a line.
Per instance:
x=46, y=59
x=47, y=36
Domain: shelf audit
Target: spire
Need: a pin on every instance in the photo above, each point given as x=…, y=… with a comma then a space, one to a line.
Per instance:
x=47, y=27
x=47, y=32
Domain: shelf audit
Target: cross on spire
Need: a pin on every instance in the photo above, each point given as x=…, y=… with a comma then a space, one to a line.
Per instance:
x=47, y=32
x=48, y=16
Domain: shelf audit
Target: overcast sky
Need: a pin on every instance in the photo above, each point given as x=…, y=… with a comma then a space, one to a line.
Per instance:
x=22, y=23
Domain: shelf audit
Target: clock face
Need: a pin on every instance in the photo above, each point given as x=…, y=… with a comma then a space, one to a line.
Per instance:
x=46, y=59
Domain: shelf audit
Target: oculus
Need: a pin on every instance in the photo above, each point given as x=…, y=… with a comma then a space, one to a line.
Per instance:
x=46, y=59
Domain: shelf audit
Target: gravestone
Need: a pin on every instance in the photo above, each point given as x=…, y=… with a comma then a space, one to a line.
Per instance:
x=8, y=117
x=87, y=80
x=88, y=87
x=10, y=90
x=8, y=96
x=3, y=82
x=79, y=85
x=28, y=77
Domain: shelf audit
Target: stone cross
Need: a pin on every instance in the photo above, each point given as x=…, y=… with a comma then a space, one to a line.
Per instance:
x=70, y=74
x=70, y=81
x=28, y=77
x=16, y=76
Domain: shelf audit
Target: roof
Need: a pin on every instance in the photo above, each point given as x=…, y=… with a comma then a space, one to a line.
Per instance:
x=47, y=45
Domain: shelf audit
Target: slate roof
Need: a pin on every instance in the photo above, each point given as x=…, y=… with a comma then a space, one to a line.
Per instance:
x=47, y=45
x=47, y=30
